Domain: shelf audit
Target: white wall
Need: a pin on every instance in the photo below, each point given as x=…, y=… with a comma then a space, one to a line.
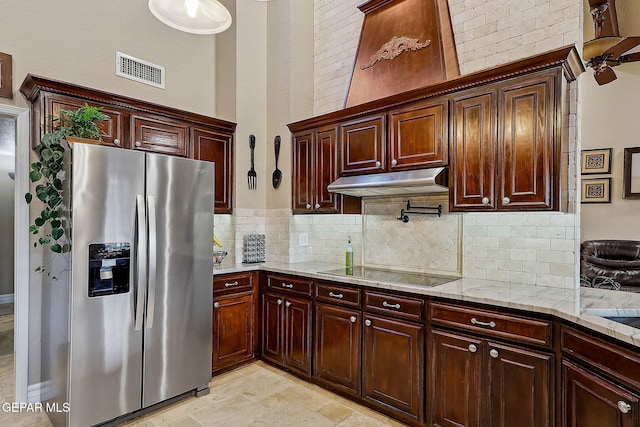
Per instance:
x=612, y=122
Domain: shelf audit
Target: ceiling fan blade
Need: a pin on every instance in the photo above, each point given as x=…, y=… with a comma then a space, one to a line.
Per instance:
x=623, y=46
x=605, y=76
x=632, y=57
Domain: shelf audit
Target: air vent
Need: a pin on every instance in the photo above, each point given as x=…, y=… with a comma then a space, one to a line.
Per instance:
x=139, y=70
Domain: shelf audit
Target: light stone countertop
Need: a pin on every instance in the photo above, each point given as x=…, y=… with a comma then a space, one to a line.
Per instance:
x=583, y=306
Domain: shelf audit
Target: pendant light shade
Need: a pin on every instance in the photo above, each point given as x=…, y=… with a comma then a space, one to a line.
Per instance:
x=192, y=16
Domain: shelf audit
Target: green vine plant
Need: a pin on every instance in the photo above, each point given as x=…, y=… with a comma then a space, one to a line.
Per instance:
x=47, y=173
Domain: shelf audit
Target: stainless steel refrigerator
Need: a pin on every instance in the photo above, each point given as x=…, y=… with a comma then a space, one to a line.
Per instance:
x=128, y=325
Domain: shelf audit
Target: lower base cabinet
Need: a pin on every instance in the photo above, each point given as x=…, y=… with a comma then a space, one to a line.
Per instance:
x=477, y=382
x=592, y=401
x=233, y=330
x=392, y=366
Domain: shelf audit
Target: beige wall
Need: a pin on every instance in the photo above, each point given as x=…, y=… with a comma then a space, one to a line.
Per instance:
x=7, y=164
x=610, y=120
x=76, y=41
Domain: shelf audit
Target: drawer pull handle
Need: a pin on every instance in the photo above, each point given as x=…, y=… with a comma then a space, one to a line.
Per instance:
x=386, y=304
x=367, y=322
x=473, y=348
x=353, y=319
x=287, y=285
x=494, y=353
x=216, y=304
x=475, y=321
x=279, y=302
x=288, y=303
x=624, y=407
x=339, y=296
x=228, y=285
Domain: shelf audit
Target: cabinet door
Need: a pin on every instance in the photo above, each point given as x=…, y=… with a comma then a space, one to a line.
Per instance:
x=520, y=387
x=392, y=370
x=364, y=146
x=419, y=136
x=297, y=331
x=232, y=330
x=272, y=324
x=112, y=129
x=337, y=348
x=456, y=380
x=218, y=148
x=591, y=401
x=326, y=171
x=302, y=185
x=473, y=152
x=526, y=148
x=159, y=135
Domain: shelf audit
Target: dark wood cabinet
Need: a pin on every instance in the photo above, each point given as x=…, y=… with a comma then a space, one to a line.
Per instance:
x=419, y=136
x=140, y=125
x=455, y=390
x=234, y=320
x=504, y=151
x=315, y=166
x=159, y=135
x=338, y=338
x=364, y=145
x=392, y=366
x=233, y=330
x=112, y=129
x=592, y=401
x=473, y=151
x=216, y=147
x=287, y=322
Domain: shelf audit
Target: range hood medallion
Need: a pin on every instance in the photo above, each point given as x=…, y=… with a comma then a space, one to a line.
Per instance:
x=421, y=181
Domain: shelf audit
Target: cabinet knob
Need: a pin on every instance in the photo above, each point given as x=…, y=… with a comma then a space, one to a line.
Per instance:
x=279, y=302
x=378, y=164
x=624, y=407
x=288, y=303
x=116, y=142
x=394, y=162
x=138, y=144
x=367, y=322
x=494, y=353
x=308, y=206
x=216, y=304
x=353, y=319
x=473, y=348
x=485, y=200
x=317, y=206
x=506, y=200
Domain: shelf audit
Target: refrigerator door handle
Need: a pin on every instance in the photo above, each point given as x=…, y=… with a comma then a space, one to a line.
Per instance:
x=141, y=261
x=153, y=250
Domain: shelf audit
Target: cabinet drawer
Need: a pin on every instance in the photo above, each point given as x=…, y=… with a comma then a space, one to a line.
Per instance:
x=493, y=324
x=399, y=306
x=336, y=294
x=227, y=283
x=297, y=285
x=615, y=361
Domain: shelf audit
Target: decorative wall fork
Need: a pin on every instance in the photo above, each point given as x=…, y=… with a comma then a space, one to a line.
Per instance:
x=252, y=177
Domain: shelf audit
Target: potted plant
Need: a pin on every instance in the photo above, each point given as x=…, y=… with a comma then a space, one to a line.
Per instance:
x=47, y=172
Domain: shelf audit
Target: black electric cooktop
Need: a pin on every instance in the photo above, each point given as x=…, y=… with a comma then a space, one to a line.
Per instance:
x=391, y=276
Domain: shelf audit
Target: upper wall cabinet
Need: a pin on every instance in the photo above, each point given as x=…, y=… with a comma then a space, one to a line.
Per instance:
x=140, y=125
x=499, y=130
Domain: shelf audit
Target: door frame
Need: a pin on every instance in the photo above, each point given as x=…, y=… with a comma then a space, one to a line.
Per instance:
x=21, y=249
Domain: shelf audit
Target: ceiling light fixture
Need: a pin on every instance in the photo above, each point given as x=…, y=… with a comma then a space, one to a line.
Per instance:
x=192, y=16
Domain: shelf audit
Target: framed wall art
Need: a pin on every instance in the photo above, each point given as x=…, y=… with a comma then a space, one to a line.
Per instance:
x=597, y=190
x=6, y=90
x=631, y=183
x=596, y=161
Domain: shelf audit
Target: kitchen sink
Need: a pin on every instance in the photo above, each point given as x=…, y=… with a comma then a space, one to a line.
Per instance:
x=630, y=321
